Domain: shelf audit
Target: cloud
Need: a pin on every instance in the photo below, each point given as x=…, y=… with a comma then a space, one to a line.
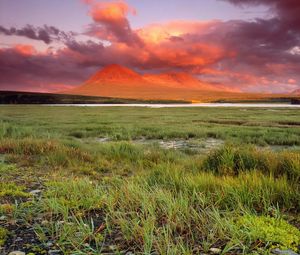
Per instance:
x=47, y=34
x=25, y=50
x=257, y=55
x=23, y=67
x=292, y=81
x=111, y=23
x=286, y=10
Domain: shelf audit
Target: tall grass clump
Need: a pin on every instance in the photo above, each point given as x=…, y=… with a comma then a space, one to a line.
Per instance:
x=13, y=130
x=289, y=164
x=121, y=151
x=48, y=152
x=78, y=194
x=252, y=190
x=157, y=219
x=232, y=160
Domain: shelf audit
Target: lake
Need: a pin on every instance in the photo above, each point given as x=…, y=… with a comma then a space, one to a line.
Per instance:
x=239, y=105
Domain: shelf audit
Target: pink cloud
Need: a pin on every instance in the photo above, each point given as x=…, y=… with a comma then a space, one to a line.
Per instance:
x=292, y=81
x=111, y=23
x=25, y=49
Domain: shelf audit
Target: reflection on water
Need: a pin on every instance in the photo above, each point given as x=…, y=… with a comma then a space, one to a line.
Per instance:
x=246, y=105
x=196, y=145
x=191, y=144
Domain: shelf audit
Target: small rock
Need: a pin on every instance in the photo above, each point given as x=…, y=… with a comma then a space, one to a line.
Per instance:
x=215, y=250
x=19, y=239
x=44, y=222
x=284, y=252
x=112, y=247
x=2, y=218
x=53, y=252
x=49, y=244
x=17, y=253
x=35, y=192
x=78, y=234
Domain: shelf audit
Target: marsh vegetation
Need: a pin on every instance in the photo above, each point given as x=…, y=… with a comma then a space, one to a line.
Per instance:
x=101, y=181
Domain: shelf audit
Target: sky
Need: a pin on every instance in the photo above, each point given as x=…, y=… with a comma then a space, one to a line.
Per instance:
x=247, y=45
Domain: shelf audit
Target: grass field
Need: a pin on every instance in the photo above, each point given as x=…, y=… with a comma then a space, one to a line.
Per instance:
x=78, y=180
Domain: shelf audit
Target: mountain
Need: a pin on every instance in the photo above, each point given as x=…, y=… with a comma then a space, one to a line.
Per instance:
x=115, y=74
x=114, y=81
x=121, y=82
x=177, y=80
x=296, y=92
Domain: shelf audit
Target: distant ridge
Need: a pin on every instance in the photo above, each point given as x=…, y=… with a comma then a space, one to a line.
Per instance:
x=24, y=97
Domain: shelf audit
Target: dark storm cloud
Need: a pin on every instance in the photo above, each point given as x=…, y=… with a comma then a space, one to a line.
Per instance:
x=47, y=34
x=286, y=10
x=88, y=47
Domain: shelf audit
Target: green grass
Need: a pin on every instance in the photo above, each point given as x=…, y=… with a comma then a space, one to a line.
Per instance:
x=3, y=236
x=232, y=160
x=119, y=195
x=272, y=231
x=258, y=126
x=12, y=190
